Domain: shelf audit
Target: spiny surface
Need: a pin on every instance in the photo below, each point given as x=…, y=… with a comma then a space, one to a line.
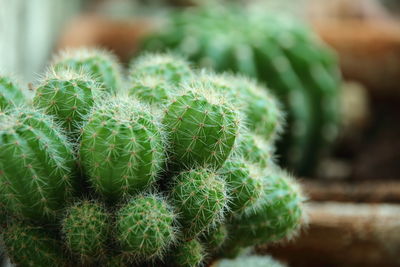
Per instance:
x=122, y=148
x=188, y=254
x=36, y=165
x=85, y=228
x=10, y=94
x=68, y=96
x=100, y=64
x=255, y=150
x=200, y=198
x=215, y=237
x=201, y=128
x=32, y=246
x=144, y=227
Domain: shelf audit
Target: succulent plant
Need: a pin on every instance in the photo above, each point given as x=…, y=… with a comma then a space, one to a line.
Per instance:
x=36, y=165
x=215, y=237
x=254, y=149
x=122, y=148
x=279, y=51
x=85, y=228
x=188, y=254
x=202, y=128
x=10, y=94
x=32, y=246
x=100, y=64
x=68, y=96
x=200, y=198
x=144, y=227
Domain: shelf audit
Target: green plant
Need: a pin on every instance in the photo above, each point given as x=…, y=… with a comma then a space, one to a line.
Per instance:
x=36, y=165
x=279, y=51
x=85, y=228
x=122, y=148
x=10, y=94
x=68, y=96
x=144, y=227
x=100, y=64
x=215, y=237
x=188, y=254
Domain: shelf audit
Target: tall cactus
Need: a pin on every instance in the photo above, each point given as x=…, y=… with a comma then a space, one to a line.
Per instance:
x=36, y=165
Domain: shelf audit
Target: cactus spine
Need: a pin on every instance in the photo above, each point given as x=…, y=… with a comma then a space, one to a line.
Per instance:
x=36, y=163
x=199, y=195
x=122, y=148
x=145, y=227
x=10, y=94
x=215, y=238
x=188, y=254
x=86, y=227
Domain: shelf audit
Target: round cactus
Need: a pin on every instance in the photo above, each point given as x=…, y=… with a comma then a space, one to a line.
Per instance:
x=100, y=64
x=244, y=184
x=188, y=254
x=202, y=128
x=10, y=94
x=122, y=148
x=36, y=165
x=32, y=246
x=199, y=196
x=168, y=68
x=85, y=228
x=279, y=214
x=249, y=261
x=68, y=96
x=144, y=227
x=279, y=51
x=255, y=150
x=215, y=238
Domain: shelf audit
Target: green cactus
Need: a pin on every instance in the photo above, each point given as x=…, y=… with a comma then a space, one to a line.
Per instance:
x=100, y=64
x=168, y=68
x=32, y=246
x=215, y=238
x=279, y=51
x=255, y=150
x=278, y=216
x=144, y=227
x=188, y=254
x=249, y=261
x=151, y=90
x=200, y=198
x=244, y=184
x=36, y=165
x=10, y=94
x=122, y=148
x=202, y=128
x=68, y=96
x=85, y=228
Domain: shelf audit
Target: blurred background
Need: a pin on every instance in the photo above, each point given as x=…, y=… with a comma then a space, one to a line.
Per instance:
x=353, y=187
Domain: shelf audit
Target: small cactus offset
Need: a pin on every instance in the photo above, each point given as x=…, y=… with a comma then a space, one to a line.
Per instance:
x=122, y=148
x=32, y=246
x=68, y=96
x=100, y=64
x=202, y=128
x=200, y=197
x=144, y=227
x=36, y=165
x=176, y=171
x=85, y=228
x=10, y=94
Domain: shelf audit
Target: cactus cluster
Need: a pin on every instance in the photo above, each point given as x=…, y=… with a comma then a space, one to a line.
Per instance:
x=277, y=50
x=176, y=169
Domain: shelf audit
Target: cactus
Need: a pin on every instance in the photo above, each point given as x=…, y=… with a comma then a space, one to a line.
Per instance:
x=152, y=90
x=277, y=217
x=215, y=238
x=144, y=227
x=86, y=227
x=122, y=148
x=202, y=128
x=168, y=68
x=255, y=150
x=68, y=96
x=188, y=254
x=244, y=184
x=279, y=51
x=32, y=246
x=10, y=94
x=100, y=64
x=36, y=165
x=199, y=195
x=249, y=261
